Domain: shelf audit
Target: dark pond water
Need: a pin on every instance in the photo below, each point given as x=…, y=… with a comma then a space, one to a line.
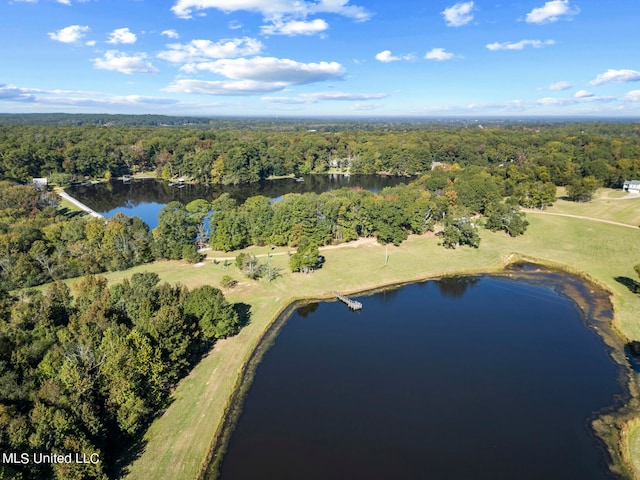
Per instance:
x=145, y=198
x=466, y=378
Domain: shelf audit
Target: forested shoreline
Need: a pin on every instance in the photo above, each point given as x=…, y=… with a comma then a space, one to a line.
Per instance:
x=463, y=177
x=607, y=151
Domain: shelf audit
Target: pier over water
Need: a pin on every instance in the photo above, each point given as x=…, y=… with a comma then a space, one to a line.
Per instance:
x=352, y=304
x=79, y=204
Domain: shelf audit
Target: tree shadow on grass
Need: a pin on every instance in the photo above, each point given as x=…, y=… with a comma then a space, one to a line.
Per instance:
x=630, y=283
x=125, y=457
x=70, y=213
x=244, y=313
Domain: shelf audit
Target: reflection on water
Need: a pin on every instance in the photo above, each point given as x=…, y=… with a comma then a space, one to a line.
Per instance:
x=500, y=383
x=145, y=198
x=455, y=287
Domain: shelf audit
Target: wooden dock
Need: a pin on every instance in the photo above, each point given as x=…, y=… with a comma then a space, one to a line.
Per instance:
x=79, y=204
x=352, y=304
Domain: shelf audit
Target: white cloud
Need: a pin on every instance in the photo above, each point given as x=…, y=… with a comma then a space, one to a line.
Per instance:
x=64, y=2
x=13, y=93
x=273, y=8
x=200, y=50
x=122, y=35
x=583, y=94
x=170, y=34
x=458, y=14
x=385, y=56
x=559, y=86
x=555, y=101
x=551, y=12
x=619, y=76
x=632, y=96
x=439, y=54
x=39, y=100
x=316, y=97
x=123, y=63
x=256, y=76
x=580, y=97
x=361, y=107
x=242, y=87
x=344, y=96
x=234, y=25
x=295, y=27
x=273, y=70
x=282, y=100
x=519, y=45
x=75, y=97
x=70, y=34
x=511, y=105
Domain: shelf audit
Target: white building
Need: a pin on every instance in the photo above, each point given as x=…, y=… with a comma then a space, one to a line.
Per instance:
x=631, y=186
x=40, y=183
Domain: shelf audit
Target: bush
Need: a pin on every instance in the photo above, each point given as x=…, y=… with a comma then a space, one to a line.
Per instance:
x=190, y=254
x=228, y=282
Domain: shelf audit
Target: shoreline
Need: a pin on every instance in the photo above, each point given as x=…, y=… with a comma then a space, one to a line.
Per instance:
x=622, y=412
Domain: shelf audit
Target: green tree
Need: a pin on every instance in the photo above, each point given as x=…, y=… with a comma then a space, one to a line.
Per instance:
x=215, y=316
x=306, y=257
x=507, y=218
x=176, y=229
x=460, y=231
x=582, y=189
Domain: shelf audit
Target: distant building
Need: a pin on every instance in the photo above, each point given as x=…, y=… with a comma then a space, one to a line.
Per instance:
x=40, y=183
x=631, y=186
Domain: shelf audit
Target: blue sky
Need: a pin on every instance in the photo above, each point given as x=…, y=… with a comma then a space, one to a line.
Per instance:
x=321, y=57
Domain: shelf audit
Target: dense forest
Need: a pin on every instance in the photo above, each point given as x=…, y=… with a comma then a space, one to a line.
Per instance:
x=608, y=152
x=87, y=374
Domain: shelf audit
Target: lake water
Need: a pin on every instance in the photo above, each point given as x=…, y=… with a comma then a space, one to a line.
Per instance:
x=145, y=198
x=463, y=378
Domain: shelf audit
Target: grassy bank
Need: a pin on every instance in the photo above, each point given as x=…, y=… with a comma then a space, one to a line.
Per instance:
x=177, y=443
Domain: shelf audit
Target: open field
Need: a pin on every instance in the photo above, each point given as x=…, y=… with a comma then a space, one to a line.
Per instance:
x=608, y=204
x=178, y=442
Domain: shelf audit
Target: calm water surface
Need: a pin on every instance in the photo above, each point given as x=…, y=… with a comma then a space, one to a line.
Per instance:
x=467, y=378
x=145, y=198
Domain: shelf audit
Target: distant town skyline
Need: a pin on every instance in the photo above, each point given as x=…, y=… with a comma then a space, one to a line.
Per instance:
x=321, y=58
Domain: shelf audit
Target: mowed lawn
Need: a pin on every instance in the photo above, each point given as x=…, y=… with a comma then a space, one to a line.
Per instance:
x=608, y=204
x=177, y=443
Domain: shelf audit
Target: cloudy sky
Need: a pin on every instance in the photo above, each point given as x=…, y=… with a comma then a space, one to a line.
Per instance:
x=321, y=57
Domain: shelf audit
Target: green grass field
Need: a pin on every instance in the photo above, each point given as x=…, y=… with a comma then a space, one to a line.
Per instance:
x=608, y=204
x=178, y=442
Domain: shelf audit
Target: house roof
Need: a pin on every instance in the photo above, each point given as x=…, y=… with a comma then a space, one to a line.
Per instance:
x=632, y=182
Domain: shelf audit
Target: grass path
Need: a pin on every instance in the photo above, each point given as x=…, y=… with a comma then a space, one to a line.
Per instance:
x=542, y=212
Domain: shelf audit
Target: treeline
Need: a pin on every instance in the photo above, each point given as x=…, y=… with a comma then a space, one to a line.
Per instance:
x=219, y=154
x=454, y=202
x=38, y=244
x=80, y=119
x=86, y=375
